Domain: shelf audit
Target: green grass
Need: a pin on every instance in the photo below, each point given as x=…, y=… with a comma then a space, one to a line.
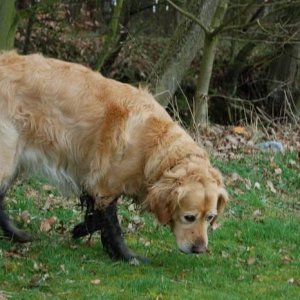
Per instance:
x=254, y=253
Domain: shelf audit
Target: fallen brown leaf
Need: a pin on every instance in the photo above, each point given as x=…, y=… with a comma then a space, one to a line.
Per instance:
x=13, y=252
x=271, y=186
x=46, y=224
x=137, y=220
x=257, y=213
x=47, y=187
x=2, y=297
x=233, y=178
x=52, y=220
x=292, y=163
x=131, y=207
x=278, y=171
x=25, y=216
x=96, y=281
x=49, y=202
x=251, y=261
x=225, y=254
x=239, y=130
x=31, y=193
x=232, y=139
x=130, y=227
x=293, y=281
x=248, y=184
x=286, y=260
x=145, y=242
x=257, y=185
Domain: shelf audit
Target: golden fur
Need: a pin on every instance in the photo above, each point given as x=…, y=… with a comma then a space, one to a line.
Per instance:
x=87, y=132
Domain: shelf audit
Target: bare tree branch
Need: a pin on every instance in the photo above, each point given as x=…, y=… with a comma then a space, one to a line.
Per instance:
x=190, y=16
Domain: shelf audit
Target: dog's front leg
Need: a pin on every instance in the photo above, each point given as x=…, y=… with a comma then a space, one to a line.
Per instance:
x=111, y=234
x=91, y=222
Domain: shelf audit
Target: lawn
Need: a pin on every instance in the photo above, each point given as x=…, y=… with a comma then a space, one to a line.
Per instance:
x=254, y=253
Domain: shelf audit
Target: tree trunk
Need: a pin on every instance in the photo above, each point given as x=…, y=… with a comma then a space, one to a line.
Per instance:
x=111, y=37
x=283, y=82
x=182, y=49
x=121, y=37
x=8, y=24
x=30, y=22
x=206, y=66
x=237, y=66
x=297, y=86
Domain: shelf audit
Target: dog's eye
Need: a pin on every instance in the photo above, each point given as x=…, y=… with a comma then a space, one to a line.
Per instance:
x=190, y=218
x=209, y=218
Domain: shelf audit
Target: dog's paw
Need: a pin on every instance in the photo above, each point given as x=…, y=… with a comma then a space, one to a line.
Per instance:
x=80, y=230
x=131, y=258
x=137, y=260
x=19, y=236
x=85, y=228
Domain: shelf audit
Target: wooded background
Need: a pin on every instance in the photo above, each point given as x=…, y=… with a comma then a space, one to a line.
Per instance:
x=218, y=61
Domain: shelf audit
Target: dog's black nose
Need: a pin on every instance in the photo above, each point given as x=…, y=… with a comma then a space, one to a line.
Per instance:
x=199, y=248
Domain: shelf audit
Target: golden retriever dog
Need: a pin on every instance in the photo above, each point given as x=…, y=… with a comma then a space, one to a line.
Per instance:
x=101, y=139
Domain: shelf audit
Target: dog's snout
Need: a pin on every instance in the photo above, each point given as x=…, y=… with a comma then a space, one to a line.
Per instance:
x=199, y=248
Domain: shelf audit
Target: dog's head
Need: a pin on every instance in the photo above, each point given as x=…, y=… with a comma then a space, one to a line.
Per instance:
x=189, y=200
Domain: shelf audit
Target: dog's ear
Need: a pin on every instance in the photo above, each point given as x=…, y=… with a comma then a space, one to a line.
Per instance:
x=159, y=204
x=216, y=175
x=162, y=213
x=222, y=201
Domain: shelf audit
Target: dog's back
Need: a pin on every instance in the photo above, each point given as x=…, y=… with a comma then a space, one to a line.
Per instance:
x=66, y=120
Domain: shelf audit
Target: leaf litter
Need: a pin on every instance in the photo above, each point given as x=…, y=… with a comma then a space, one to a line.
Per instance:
x=227, y=142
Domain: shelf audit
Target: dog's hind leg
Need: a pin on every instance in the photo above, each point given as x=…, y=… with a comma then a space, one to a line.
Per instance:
x=106, y=220
x=8, y=158
x=10, y=231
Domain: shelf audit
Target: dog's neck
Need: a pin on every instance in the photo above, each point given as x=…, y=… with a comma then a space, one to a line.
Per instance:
x=163, y=159
x=167, y=165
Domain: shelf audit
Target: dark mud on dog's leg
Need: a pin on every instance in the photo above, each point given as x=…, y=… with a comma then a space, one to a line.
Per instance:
x=106, y=220
x=10, y=231
x=91, y=221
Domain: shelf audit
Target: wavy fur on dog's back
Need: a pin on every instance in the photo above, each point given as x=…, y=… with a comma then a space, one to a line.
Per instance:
x=69, y=119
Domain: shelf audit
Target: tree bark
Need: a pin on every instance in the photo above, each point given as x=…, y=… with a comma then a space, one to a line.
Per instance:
x=182, y=49
x=121, y=37
x=30, y=22
x=206, y=66
x=297, y=86
x=8, y=24
x=284, y=85
x=237, y=66
x=111, y=37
